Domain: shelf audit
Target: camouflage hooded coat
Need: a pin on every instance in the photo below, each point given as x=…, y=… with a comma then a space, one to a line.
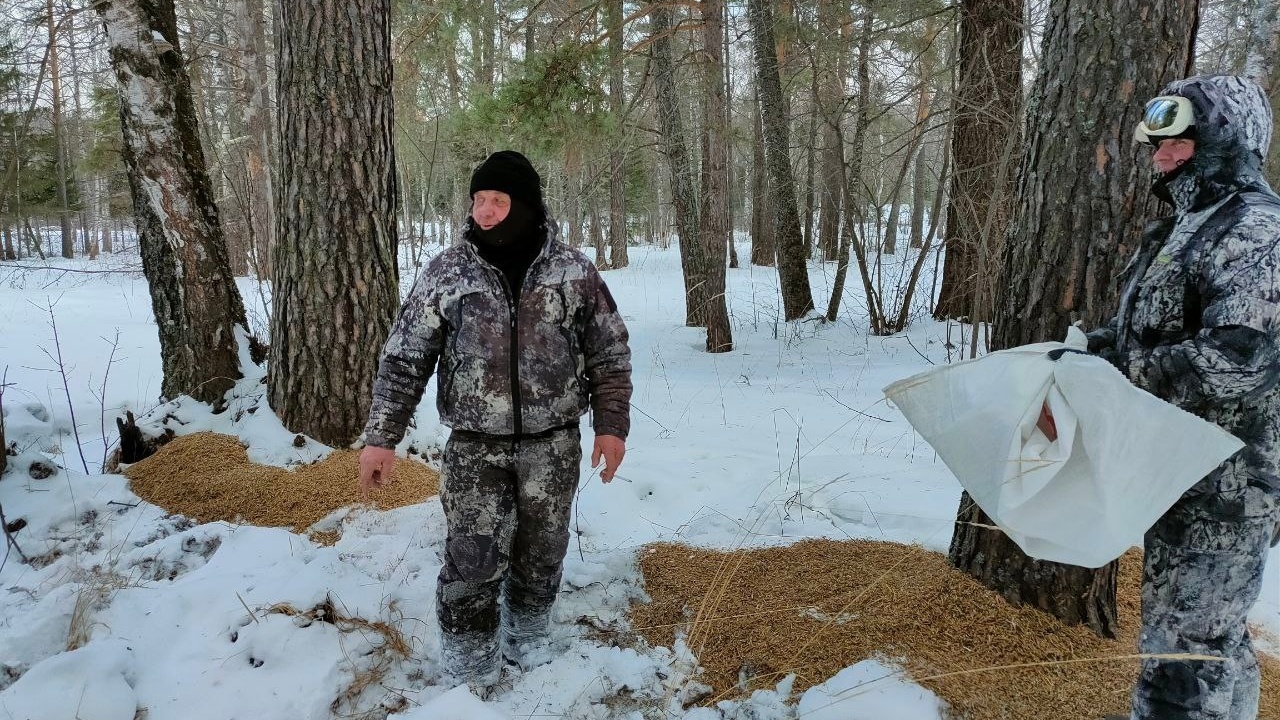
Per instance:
x=1199, y=319
x=503, y=369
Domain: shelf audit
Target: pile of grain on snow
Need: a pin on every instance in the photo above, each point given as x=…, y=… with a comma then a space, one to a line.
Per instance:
x=818, y=606
x=208, y=476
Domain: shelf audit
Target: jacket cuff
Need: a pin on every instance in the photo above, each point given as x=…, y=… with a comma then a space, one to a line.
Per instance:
x=610, y=430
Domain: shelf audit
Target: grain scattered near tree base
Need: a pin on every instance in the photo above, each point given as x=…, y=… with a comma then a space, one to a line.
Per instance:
x=208, y=476
x=818, y=606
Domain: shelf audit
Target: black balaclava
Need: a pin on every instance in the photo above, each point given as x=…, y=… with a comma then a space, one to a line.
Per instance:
x=513, y=244
x=1233, y=133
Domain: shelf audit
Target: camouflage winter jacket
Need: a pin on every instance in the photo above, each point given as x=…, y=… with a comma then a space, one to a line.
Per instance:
x=1199, y=317
x=506, y=370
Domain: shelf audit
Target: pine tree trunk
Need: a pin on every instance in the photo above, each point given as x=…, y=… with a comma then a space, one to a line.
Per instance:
x=764, y=243
x=193, y=295
x=60, y=140
x=793, y=266
x=336, y=287
x=10, y=253
x=919, y=192
x=984, y=141
x=1067, y=239
x=256, y=104
x=617, y=169
x=713, y=215
x=850, y=173
x=683, y=196
x=830, y=106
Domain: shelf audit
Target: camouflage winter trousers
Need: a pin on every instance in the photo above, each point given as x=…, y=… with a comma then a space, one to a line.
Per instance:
x=507, y=506
x=1202, y=574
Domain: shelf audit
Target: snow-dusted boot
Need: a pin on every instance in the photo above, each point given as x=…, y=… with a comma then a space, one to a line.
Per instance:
x=471, y=659
x=526, y=639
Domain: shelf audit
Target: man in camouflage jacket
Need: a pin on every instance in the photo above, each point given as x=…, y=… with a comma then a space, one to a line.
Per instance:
x=1199, y=326
x=524, y=338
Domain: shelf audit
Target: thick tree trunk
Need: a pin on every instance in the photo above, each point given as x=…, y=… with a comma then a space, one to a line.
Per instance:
x=10, y=252
x=193, y=295
x=683, y=196
x=713, y=215
x=60, y=139
x=1070, y=593
x=617, y=168
x=764, y=241
x=1067, y=239
x=984, y=143
x=336, y=288
x=793, y=266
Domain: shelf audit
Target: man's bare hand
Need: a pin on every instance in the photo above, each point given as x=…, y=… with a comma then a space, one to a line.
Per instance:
x=611, y=448
x=377, y=468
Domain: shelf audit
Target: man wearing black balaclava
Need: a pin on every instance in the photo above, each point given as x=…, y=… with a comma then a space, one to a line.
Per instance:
x=1199, y=326
x=525, y=338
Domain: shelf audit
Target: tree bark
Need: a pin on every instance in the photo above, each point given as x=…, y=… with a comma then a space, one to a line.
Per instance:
x=850, y=173
x=764, y=240
x=1080, y=200
x=256, y=104
x=984, y=145
x=193, y=295
x=336, y=287
x=919, y=195
x=1082, y=184
x=830, y=106
x=60, y=139
x=713, y=214
x=683, y=195
x=793, y=266
x=617, y=168
x=1264, y=44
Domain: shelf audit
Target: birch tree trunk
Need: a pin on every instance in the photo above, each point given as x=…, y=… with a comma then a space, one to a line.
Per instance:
x=713, y=215
x=1067, y=240
x=193, y=295
x=793, y=266
x=336, y=280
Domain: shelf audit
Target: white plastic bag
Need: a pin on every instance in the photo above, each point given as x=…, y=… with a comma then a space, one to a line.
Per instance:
x=1121, y=459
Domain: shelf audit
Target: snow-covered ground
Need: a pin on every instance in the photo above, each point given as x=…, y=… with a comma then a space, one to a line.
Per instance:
x=786, y=437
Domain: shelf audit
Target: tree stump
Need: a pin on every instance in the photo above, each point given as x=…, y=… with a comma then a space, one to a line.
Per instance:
x=134, y=444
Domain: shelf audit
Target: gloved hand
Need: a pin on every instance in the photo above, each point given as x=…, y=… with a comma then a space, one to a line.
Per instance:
x=1057, y=354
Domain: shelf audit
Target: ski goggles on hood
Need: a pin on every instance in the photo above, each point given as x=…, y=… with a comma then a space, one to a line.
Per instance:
x=1166, y=116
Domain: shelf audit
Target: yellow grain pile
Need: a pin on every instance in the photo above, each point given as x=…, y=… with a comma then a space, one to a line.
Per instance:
x=818, y=606
x=208, y=476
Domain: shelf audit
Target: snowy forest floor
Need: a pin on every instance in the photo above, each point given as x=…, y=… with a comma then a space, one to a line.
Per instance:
x=126, y=606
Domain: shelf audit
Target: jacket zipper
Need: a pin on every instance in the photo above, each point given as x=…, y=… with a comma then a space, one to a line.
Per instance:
x=512, y=305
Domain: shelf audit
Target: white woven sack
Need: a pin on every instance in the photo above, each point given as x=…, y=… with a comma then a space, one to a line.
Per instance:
x=1122, y=457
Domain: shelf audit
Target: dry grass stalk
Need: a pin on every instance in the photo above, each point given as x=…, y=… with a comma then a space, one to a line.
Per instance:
x=208, y=477
x=818, y=606
x=96, y=590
